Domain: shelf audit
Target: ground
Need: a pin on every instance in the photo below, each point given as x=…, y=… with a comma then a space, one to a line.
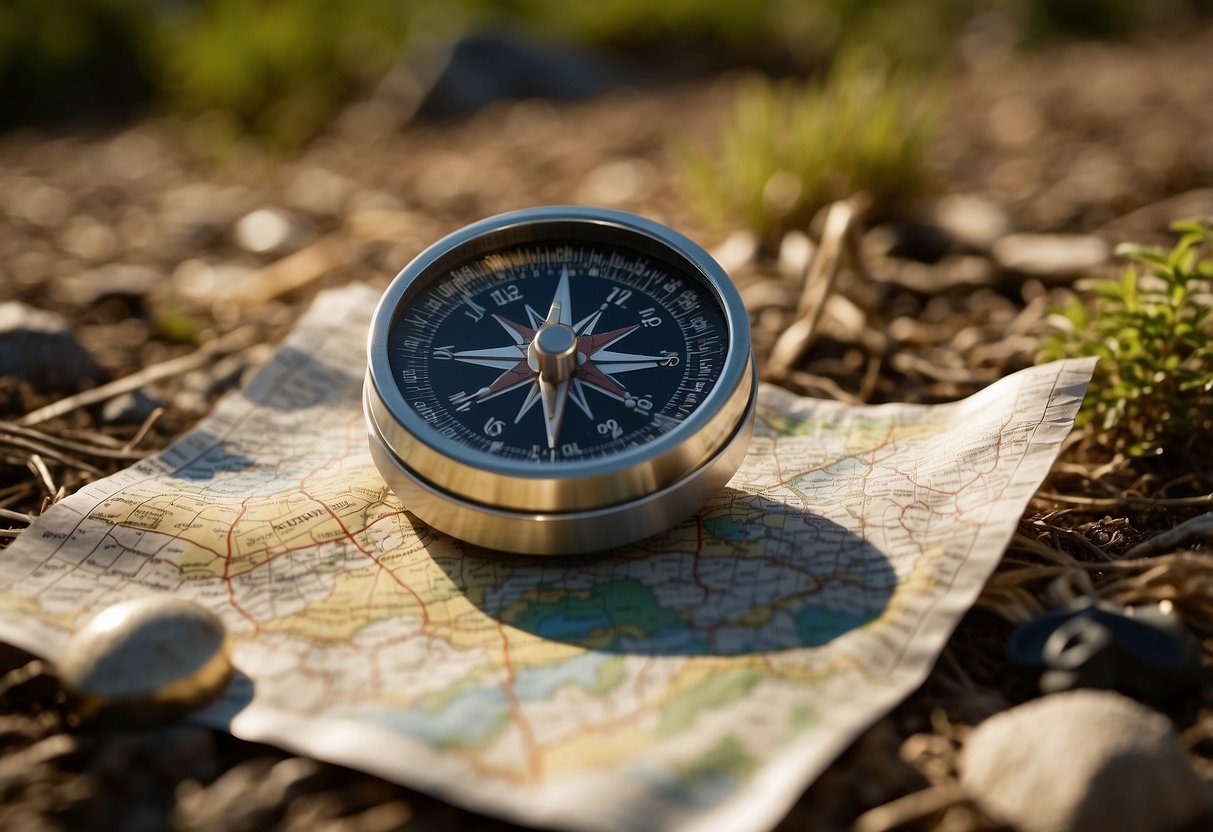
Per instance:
x=1077, y=138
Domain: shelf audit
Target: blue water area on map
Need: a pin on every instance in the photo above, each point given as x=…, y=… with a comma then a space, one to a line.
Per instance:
x=725, y=527
x=568, y=624
x=750, y=574
x=820, y=626
x=468, y=719
x=212, y=463
x=542, y=682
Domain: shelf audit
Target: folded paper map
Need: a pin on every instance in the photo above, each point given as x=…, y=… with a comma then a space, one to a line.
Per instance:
x=698, y=680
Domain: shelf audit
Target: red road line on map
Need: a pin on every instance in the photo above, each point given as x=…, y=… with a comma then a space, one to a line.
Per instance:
x=425, y=613
x=511, y=698
x=227, y=563
x=288, y=550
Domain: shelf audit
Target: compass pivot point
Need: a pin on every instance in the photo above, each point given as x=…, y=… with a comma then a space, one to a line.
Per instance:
x=553, y=353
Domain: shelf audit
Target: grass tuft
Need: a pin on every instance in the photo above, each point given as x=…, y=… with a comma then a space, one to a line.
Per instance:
x=792, y=147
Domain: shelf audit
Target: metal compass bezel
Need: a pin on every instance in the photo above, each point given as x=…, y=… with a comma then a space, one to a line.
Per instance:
x=543, y=486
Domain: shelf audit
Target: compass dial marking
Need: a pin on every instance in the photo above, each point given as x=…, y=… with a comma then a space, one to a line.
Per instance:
x=653, y=324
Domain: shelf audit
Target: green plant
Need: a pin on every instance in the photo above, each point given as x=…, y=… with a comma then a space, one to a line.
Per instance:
x=792, y=147
x=1153, y=334
x=279, y=70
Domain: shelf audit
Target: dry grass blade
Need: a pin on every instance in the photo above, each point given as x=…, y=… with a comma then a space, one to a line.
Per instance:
x=8, y=430
x=1195, y=528
x=812, y=383
x=39, y=469
x=818, y=283
x=231, y=342
x=43, y=450
x=1074, y=535
x=144, y=429
x=294, y=271
x=1023, y=542
x=1127, y=500
x=15, y=516
x=910, y=808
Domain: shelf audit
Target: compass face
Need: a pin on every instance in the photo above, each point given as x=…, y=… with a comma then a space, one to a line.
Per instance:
x=558, y=352
x=559, y=379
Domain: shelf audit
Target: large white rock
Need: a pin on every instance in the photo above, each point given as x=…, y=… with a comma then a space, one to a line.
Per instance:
x=1082, y=760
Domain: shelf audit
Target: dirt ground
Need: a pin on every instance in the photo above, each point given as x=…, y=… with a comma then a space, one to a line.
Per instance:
x=134, y=241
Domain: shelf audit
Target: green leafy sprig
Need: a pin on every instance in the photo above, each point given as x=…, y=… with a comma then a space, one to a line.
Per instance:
x=1153, y=333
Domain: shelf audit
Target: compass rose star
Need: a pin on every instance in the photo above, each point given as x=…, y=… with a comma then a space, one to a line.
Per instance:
x=525, y=363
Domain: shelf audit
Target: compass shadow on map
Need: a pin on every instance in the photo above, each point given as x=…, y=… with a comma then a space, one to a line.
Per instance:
x=748, y=574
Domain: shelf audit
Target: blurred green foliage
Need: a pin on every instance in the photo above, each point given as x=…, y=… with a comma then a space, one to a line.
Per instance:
x=791, y=147
x=74, y=59
x=1152, y=331
x=280, y=69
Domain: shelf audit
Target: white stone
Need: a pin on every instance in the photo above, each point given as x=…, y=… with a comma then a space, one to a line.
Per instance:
x=1051, y=255
x=1082, y=760
x=266, y=230
x=145, y=660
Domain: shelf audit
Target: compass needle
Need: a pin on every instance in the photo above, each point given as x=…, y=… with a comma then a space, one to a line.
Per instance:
x=490, y=431
x=555, y=399
x=561, y=310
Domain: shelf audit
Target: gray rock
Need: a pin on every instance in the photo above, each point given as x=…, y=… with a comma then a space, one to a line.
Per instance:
x=128, y=283
x=973, y=222
x=1082, y=760
x=145, y=660
x=1051, y=256
x=40, y=348
x=952, y=271
x=492, y=66
x=129, y=408
x=269, y=231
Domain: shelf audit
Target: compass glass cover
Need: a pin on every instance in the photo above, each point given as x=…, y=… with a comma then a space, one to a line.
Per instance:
x=557, y=352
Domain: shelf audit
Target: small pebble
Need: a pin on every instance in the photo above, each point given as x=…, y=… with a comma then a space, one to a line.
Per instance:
x=1082, y=760
x=146, y=660
x=737, y=250
x=973, y=222
x=268, y=231
x=1056, y=256
x=796, y=251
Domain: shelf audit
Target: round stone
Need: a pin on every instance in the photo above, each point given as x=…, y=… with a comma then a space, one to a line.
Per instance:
x=1085, y=759
x=146, y=660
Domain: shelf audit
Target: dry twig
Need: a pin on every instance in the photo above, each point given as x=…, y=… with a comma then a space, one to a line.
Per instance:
x=836, y=242
x=231, y=342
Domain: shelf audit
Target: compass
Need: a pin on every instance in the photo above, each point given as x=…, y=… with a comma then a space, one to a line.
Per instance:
x=559, y=380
